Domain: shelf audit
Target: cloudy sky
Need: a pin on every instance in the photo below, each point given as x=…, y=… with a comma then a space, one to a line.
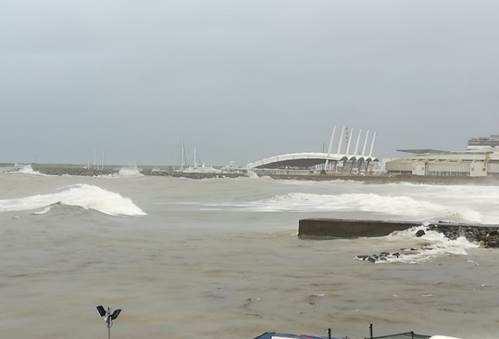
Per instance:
x=241, y=79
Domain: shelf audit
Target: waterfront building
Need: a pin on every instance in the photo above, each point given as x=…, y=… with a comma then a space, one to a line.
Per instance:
x=349, y=152
x=479, y=159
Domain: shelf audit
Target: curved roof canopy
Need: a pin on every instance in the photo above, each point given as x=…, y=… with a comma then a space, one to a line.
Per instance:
x=305, y=160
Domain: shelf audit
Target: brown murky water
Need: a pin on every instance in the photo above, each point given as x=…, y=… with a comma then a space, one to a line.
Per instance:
x=220, y=259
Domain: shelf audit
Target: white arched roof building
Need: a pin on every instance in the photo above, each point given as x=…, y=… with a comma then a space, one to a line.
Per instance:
x=311, y=159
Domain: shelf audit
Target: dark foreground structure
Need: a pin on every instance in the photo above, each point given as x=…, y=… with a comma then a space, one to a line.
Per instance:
x=350, y=228
x=404, y=335
x=275, y=335
x=488, y=235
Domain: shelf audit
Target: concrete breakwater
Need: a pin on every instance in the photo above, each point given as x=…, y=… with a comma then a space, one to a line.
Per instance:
x=78, y=170
x=113, y=170
x=173, y=171
x=487, y=235
x=387, y=179
x=349, y=228
x=191, y=175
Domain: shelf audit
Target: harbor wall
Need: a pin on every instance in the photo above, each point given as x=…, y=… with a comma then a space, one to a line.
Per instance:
x=488, y=235
x=387, y=179
x=349, y=228
x=74, y=169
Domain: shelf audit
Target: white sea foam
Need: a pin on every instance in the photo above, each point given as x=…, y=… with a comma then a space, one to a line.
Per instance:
x=431, y=245
x=404, y=206
x=43, y=211
x=82, y=195
x=27, y=169
x=129, y=172
x=124, y=172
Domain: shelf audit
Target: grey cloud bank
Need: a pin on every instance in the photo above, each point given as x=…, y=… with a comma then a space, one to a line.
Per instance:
x=241, y=79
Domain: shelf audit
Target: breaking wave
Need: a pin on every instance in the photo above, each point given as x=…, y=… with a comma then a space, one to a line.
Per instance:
x=81, y=195
x=432, y=244
x=27, y=169
x=124, y=172
x=129, y=172
x=45, y=210
x=403, y=206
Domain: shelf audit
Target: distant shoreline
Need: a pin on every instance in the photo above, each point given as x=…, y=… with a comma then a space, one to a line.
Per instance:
x=385, y=179
x=170, y=171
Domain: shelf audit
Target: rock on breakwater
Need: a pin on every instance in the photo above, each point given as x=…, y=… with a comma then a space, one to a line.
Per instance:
x=487, y=235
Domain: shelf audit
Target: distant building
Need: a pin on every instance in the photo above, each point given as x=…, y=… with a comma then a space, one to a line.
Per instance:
x=483, y=142
x=349, y=152
x=480, y=159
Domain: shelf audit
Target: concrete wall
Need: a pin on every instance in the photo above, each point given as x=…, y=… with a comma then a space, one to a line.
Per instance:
x=487, y=235
x=349, y=228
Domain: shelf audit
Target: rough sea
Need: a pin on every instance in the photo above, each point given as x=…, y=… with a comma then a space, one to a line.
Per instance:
x=219, y=258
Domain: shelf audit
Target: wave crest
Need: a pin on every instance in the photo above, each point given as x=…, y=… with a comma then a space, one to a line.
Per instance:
x=435, y=244
x=405, y=206
x=27, y=169
x=81, y=195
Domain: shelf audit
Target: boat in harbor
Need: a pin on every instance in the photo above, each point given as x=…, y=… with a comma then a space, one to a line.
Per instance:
x=195, y=168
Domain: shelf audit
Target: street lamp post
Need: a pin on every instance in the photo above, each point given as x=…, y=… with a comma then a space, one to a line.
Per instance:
x=108, y=316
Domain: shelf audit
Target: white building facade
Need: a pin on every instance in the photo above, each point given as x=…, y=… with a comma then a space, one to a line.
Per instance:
x=480, y=159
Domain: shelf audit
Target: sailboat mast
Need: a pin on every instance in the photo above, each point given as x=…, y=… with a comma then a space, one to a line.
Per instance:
x=182, y=155
x=195, y=158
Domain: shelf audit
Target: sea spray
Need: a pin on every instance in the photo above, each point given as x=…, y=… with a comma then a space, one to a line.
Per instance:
x=124, y=172
x=401, y=205
x=28, y=170
x=430, y=245
x=80, y=195
x=129, y=172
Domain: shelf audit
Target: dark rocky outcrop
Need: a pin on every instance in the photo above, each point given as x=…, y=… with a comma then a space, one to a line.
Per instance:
x=420, y=233
x=487, y=235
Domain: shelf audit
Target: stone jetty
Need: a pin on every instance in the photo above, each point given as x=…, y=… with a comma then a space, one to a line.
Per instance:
x=487, y=235
x=350, y=228
x=80, y=170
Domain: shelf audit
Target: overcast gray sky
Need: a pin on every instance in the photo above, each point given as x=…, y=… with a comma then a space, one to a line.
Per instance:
x=241, y=79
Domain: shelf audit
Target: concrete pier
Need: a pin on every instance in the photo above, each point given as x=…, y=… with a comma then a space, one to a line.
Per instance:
x=488, y=235
x=350, y=228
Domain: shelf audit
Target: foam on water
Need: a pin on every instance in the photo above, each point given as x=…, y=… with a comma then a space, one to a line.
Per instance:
x=432, y=244
x=43, y=211
x=81, y=195
x=404, y=206
x=129, y=172
x=124, y=172
x=27, y=169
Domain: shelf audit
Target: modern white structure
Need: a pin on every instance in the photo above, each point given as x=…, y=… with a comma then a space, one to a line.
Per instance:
x=480, y=159
x=328, y=161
